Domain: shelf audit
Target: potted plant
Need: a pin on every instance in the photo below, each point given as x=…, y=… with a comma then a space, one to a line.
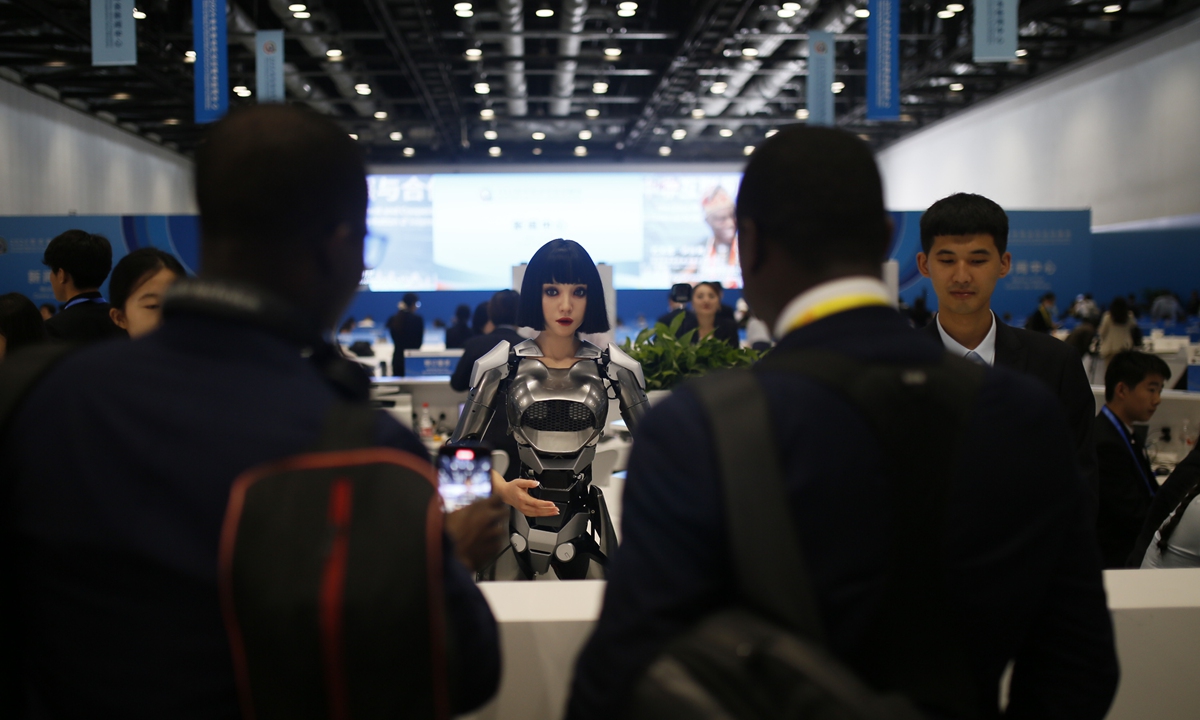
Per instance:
x=668, y=359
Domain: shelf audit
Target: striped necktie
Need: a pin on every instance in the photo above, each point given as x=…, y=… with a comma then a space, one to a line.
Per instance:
x=975, y=358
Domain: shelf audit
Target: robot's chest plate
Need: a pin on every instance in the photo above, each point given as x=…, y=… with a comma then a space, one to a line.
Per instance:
x=557, y=411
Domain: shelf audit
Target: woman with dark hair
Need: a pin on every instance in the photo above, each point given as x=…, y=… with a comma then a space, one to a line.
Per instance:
x=137, y=286
x=706, y=306
x=1116, y=329
x=21, y=323
x=554, y=391
x=458, y=333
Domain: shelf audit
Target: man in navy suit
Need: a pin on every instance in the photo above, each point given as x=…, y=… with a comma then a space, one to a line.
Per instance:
x=1021, y=567
x=964, y=243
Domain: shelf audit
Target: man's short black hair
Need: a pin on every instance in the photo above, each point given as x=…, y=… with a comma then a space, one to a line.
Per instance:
x=503, y=307
x=462, y=314
x=136, y=268
x=271, y=177
x=816, y=192
x=562, y=261
x=1132, y=367
x=86, y=257
x=411, y=300
x=20, y=322
x=964, y=214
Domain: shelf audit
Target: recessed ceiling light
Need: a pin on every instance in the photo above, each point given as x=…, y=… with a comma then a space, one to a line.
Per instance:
x=956, y=87
x=719, y=88
x=138, y=14
x=794, y=7
x=539, y=135
x=537, y=151
x=494, y=151
x=490, y=134
x=1112, y=8
x=409, y=152
x=362, y=89
x=664, y=151
x=580, y=151
x=837, y=87
x=240, y=88
x=1022, y=52
x=678, y=134
x=698, y=113
x=585, y=134
x=544, y=12
x=748, y=149
x=297, y=7
x=463, y=13
x=487, y=113
x=171, y=121
x=626, y=13
x=396, y=136
x=353, y=136
x=628, y=6
x=483, y=88
x=462, y=6
x=955, y=7
x=381, y=114
x=120, y=96
x=189, y=56
x=862, y=13
x=946, y=14
x=749, y=52
x=725, y=132
x=302, y=15
x=592, y=112
x=599, y=87
x=612, y=52
x=57, y=63
x=802, y=114
x=772, y=132
x=473, y=54
x=785, y=14
x=333, y=53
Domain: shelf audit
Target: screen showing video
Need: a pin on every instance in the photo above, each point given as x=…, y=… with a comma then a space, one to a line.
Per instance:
x=464, y=476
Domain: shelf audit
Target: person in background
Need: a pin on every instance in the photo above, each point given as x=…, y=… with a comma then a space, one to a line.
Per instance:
x=407, y=329
x=1166, y=308
x=1133, y=385
x=20, y=323
x=48, y=310
x=480, y=325
x=347, y=326
x=458, y=333
x=1042, y=319
x=79, y=262
x=1116, y=329
x=1171, y=535
x=1138, y=309
x=1193, y=304
x=367, y=323
x=706, y=306
x=677, y=299
x=1085, y=309
x=138, y=286
x=919, y=314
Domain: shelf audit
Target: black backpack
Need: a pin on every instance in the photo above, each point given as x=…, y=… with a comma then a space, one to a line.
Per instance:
x=764, y=658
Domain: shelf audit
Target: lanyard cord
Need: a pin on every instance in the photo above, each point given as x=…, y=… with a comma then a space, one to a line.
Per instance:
x=82, y=300
x=1124, y=436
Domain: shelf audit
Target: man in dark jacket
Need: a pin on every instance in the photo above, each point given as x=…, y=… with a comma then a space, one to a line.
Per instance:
x=79, y=262
x=407, y=329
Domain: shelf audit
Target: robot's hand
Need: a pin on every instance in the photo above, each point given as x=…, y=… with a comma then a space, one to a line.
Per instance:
x=516, y=493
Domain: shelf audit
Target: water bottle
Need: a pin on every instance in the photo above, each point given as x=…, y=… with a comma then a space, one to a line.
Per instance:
x=425, y=424
x=1186, y=437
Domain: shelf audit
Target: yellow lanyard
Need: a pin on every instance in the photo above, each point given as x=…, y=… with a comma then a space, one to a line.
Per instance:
x=834, y=306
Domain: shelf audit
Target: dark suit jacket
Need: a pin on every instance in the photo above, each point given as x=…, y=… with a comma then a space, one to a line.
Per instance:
x=1060, y=368
x=85, y=322
x=1022, y=567
x=457, y=335
x=497, y=434
x=408, y=332
x=1170, y=493
x=1125, y=496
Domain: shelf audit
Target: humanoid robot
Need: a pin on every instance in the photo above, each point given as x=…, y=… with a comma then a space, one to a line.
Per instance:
x=556, y=415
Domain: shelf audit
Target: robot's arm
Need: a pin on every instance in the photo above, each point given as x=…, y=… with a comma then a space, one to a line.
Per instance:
x=625, y=374
x=487, y=376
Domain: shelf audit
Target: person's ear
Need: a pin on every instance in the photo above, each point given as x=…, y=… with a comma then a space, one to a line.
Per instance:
x=750, y=246
x=923, y=263
x=118, y=318
x=1005, y=263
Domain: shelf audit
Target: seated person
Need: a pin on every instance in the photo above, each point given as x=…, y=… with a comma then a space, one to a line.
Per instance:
x=1133, y=384
x=138, y=286
x=711, y=317
x=458, y=333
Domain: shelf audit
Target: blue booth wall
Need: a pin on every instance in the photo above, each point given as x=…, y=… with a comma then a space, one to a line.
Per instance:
x=1133, y=262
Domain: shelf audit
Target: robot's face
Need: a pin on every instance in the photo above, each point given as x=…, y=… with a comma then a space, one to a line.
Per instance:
x=563, y=307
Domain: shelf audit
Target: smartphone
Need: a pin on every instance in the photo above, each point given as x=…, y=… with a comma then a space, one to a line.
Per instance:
x=464, y=474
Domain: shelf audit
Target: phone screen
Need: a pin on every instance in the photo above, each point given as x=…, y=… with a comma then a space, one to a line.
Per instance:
x=464, y=476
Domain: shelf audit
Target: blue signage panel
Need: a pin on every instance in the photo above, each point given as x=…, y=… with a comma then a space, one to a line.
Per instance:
x=883, y=60
x=268, y=65
x=114, y=33
x=212, y=60
x=819, y=88
x=995, y=30
x=428, y=364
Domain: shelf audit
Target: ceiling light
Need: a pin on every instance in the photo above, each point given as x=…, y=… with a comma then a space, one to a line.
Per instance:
x=837, y=87
x=955, y=7
x=409, y=152
x=678, y=134
x=725, y=132
x=749, y=52
x=138, y=14
x=490, y=134
x=189, y=56
x=353, y=136
x=171, y=121
x=956, y=87
x=487, y=113
x=1107, y=9
x=585, y=134
x=544, y=12
x=239, y=89
x=297, y=7
x=494, y=151
x=599, y=87
x=302, y=15
x=786, y=14
x=802, y=114
x=580, y=151
x=120, y=96
x=539, y=136
x=946, y=14
x=381, y=114
x=56, y=63
x=463, y=13
x=862, y=13
x=626, y=13
x=396, y=136
x=794, y=7
x=462, y=6
x=664, y=151
x=627, y=6
x=772, y=132
x=592, y=112
x=537, y=151
x=483, y=88
x=362, y=89
x=612, y=52
x=333, y=53
x=474, y=54
x=698, y=114
x=748, y=149
x=719, y=88
x=1022, y=52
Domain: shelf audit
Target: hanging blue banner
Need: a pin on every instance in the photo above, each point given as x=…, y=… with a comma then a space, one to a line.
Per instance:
x=212, y=59
x=883, y=60
x=819, y=90
x=268, y=65
x=114, y=34
x=995, y=30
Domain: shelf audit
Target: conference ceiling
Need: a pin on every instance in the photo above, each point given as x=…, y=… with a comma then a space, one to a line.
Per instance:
x=701, y=80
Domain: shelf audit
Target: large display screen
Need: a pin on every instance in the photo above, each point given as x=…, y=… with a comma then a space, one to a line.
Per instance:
x=466, y=231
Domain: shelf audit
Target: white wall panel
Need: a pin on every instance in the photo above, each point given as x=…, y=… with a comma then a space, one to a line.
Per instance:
x=1120, y=135
x=55, y=160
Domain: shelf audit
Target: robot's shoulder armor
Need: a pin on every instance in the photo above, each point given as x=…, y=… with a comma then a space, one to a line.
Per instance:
x=527, y=348
x=622, y=359
x=496, y=360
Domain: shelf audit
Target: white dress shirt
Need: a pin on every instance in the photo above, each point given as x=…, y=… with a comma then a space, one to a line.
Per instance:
x=986, y=349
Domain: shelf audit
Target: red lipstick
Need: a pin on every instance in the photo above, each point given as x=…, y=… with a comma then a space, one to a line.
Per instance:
x=564, y=321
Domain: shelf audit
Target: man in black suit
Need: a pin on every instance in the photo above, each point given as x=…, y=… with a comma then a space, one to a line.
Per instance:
x=1133, y=385
x=79, y=262
x=1021, y=568
x=964, y=241
x=407, y=329
x=502, y=313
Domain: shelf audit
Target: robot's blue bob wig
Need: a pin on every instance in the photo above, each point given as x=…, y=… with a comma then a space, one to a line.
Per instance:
x=562, y=261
